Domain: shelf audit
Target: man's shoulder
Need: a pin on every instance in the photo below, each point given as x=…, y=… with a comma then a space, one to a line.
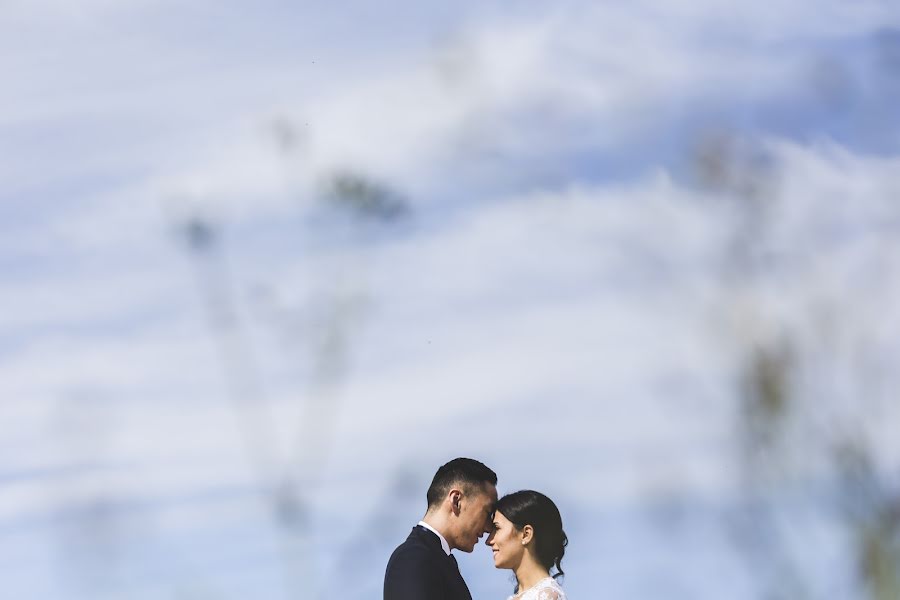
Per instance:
x=413, y=548
x=418, y=570
x=413, y=571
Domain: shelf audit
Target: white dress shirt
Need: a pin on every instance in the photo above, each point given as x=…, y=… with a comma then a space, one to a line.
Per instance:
x=444, y=543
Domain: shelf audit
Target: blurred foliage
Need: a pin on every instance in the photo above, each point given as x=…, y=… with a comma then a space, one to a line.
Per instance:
x=733, y=166
x=365, y=197
x=767, y=384
x=325, y=323
x=199, y=234
x=779, y=411
x=287, y=135
x=880, y=554
x=766, y=396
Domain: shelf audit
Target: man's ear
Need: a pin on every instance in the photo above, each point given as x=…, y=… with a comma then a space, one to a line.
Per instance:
x=455, y=497
x=527, y=534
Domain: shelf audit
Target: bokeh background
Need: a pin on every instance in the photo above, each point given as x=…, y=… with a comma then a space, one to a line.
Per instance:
x=266, y=265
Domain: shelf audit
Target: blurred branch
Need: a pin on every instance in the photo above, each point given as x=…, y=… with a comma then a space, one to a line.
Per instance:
x=365, y=197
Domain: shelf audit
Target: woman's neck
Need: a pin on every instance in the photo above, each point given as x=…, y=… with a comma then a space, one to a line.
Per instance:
x=529, y=573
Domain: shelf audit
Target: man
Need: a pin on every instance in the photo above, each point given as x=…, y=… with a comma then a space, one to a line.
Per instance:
x=461, y=500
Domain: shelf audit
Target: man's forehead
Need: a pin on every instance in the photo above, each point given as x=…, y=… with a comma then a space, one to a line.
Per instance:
x=486, y=492
x=490, y=494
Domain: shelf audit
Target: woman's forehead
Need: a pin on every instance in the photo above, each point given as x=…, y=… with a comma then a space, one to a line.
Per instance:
x=498, y=516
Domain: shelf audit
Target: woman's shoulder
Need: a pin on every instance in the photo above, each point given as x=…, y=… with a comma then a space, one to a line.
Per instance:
x=550, y=590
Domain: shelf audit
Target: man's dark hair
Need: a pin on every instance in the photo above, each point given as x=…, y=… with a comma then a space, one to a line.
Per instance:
x=465, y=472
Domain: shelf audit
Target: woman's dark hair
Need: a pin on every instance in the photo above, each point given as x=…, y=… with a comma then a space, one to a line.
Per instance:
x=528, y=507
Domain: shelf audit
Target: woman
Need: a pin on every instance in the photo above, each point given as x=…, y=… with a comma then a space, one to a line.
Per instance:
x=529, y=539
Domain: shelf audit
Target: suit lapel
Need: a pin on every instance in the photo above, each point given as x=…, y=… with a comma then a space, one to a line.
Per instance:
x=462, y=590
x=448, y=566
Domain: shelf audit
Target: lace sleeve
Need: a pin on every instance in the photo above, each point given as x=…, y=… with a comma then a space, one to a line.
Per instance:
x=547, y=589
x=551, y=594
x=551, y=591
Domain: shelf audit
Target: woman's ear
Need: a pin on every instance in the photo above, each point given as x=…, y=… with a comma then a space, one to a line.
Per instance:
x=527, y=534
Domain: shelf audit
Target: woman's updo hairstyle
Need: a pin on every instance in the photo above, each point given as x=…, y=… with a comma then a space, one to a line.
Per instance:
x=528, y=507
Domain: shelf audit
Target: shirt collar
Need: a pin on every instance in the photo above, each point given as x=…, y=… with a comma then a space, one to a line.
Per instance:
x=444, y=545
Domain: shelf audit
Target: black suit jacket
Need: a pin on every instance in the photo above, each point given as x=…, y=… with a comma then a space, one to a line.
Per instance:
x=419, y=570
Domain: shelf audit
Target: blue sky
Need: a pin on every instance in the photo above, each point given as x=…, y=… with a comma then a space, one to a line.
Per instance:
x=555, y=300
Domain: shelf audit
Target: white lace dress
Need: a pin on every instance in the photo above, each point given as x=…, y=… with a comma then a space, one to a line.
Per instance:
x=545, y=589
